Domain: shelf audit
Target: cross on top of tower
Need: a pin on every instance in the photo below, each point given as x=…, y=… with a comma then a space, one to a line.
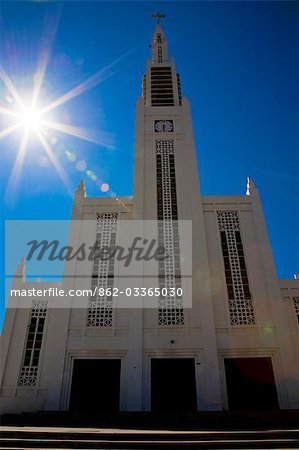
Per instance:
x=158, y=16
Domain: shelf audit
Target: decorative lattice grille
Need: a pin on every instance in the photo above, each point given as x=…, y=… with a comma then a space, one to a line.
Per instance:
x=170, y=306
x=239, y=298
x=296, y=306
x=29, y=369
x=100, y=307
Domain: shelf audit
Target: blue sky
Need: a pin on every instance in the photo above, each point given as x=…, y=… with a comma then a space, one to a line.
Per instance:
x=238, y=63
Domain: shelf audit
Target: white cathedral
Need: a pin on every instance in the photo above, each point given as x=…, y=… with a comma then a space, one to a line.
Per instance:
x=233, y=347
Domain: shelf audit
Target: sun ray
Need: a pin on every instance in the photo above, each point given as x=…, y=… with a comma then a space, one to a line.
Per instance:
x=92, y=81
x=44, y=60
x=100, y=138
x=10, y=86
x=9, y=130
x=41, y=71
x=8, y=112
x=86, y=85
x=13, y=180
x=39, y=78
x=59, y=169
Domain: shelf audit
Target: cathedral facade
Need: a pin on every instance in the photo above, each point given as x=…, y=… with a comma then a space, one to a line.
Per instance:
x=233, y=347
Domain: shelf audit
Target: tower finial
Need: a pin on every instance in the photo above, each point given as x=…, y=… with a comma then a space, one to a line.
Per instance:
x=80, y=191
x=251, y=188
x=158, y=16
x=20, y=272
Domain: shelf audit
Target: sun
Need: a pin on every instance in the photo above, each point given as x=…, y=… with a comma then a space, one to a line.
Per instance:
x=28, y=112
x=30, y=119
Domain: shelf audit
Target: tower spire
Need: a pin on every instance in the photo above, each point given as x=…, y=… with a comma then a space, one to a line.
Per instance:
x=159, y=46
x=160, y=83
x=159, y=43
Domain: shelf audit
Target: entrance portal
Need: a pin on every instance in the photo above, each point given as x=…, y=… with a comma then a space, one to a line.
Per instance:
x=250, y=384
x=173, y=384
x=95, y=385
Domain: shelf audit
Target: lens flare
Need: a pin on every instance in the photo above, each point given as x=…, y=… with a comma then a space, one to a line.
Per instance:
x=105, y=187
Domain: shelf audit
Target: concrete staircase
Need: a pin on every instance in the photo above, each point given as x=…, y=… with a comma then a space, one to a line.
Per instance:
x=83, y=438
x=141, y=431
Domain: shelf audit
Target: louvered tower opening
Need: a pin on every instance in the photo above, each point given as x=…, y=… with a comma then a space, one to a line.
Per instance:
x=161, y=86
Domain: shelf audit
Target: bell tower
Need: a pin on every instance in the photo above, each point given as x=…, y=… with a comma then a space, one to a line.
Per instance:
x=163, y=126
x=166, y=189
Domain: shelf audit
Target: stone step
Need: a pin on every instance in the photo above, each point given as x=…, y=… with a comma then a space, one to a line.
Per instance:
x=53, y=438
x=120, y=434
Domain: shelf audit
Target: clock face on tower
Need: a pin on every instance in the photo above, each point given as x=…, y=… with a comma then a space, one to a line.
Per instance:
x=163, y=126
